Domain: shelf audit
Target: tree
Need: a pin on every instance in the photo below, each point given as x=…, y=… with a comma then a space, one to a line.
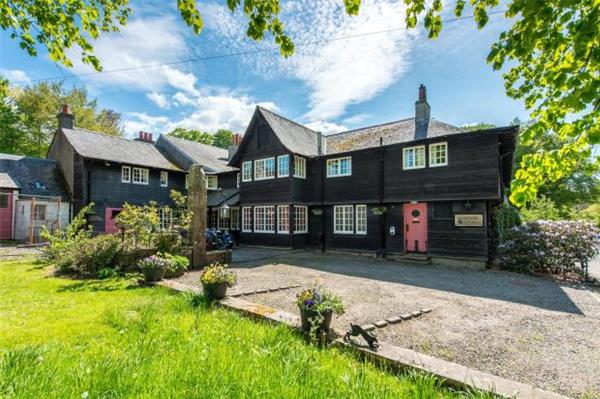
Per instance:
x=36, y=107
x=10, y=136
x=552, y=49
x=222, y=138
x=192, y=135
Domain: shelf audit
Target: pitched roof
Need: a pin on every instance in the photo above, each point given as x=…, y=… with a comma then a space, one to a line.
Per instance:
x=229, y=196
x=401, y=131
x=7, y=182
x=33, y=176
x=213, y=159
x=95, y=145
x=295, y=137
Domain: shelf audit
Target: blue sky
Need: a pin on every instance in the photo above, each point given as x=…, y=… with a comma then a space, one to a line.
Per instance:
x=333, y=86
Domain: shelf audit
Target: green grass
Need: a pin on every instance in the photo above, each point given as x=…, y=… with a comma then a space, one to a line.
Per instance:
x=62, y=338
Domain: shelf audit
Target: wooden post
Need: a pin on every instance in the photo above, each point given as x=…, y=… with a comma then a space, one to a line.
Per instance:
x=58, y=213
x=197, y=205
x=32, y=220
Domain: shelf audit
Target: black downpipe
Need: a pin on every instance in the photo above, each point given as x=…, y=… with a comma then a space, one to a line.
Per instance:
x=382, y=218
x=323, y=225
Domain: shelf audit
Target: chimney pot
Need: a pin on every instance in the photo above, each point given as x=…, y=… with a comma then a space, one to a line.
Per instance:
x=65, y=118
x=422, y=93
x=149, y=137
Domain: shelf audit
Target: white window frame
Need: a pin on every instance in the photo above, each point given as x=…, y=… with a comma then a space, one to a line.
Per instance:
x=414, y=149
x=432, y=149
x=187, y=181
x=299, y=167
x=268, y=219
x=143, y=172
x=361, y=225
x=237, y=180
x=260, y=165
x=279, y=159
x=128, y=170
x=214, y=179
x=336, y=165
x=247, y=171
x=40, y=212
x=164, y=182
x=283, y=219
x=300, y=219
x=165, y=216
x=234, y=217
x=347, y=222
x=247, y=219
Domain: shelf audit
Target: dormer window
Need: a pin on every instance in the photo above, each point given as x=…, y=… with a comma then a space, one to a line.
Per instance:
x=40, y=185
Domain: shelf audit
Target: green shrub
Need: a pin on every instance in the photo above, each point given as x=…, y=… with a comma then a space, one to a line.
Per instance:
x=95, y=254
x=178, y=266
x=541, y=208
x=506, y=217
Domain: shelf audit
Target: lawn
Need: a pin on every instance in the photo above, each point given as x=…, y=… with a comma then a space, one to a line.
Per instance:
x=63, y=338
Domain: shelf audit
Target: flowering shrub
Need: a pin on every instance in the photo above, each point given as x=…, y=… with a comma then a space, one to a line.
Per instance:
x=155, y=262
x=217, y=273
x=178, y=265
x=320, y=300
x=554, y=247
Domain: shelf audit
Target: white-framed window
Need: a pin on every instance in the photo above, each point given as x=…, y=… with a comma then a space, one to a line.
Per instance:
x=264, y=168
x=300, y=219
x=343, y=219
x=438, y=154
x=224, y=223
x=140, y=176
x=264, y=219
x=212, y=182
x=337, y=167
x=413, y=157
x=237, y=180
x=283, y=166
x=164, y=179
x=361, y=219
x=234, y=216
x=247, y=171
x=283, y=219
x=187, y=181
x=246, y=219
x=165, y=216
x=125, y=174
x=39, y=212
x=299, y=167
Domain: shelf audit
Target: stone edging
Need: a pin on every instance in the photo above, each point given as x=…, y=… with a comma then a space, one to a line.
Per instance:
x=453, y=374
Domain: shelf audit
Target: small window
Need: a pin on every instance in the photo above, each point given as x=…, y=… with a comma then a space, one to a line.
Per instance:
x=224, y=222
x=264, y=219
x=166, y=218
x=299, y=167
x=40, y=185
x=3, y=200
x=247, y=219
x=140, y=176
x=234, y=216
x=300, y=219
x=361, y=219
x=264, y=168
x=283, y=219
x=343, y=219
x=247, y=171
x=414, y=157
x=212, y=182
x=339, y=167
x=125, y=174
x=164, y=179
x=283, y=166
x=438, y=154
x=39, y=212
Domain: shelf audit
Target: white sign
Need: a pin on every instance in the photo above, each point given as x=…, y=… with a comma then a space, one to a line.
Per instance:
x=468, y=220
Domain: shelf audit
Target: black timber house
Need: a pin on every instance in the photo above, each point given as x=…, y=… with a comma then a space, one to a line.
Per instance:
x=413, y=185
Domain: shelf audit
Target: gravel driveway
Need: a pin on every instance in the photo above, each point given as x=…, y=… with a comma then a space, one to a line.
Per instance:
x=524, y=328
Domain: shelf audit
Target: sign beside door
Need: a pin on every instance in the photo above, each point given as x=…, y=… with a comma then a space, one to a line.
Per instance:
x=415, y=227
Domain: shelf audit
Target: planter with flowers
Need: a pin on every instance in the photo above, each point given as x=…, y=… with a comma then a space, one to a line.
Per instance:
x=317, y=307
x=154, y=268
x=216, y=279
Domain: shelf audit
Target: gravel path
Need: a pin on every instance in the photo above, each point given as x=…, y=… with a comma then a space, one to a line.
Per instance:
x=524, y=328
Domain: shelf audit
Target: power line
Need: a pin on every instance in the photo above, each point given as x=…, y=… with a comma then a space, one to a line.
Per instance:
x=240, y=53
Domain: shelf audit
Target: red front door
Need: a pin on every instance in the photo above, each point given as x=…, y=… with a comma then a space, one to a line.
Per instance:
x=6, y=216
x=110, y=224
x=415, y=227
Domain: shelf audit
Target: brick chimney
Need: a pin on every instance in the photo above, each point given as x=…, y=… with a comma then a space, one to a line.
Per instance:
x=235, y=143
x=145, y=137
x=422, y=114
x=65, y=117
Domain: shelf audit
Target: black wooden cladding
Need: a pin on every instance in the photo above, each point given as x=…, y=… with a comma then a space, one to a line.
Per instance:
x=227, y=180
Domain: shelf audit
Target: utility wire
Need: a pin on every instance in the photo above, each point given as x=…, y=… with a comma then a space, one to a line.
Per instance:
x=240, y=53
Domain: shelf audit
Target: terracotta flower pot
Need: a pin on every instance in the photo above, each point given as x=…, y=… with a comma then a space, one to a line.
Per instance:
x=153, y=275
x=216, y=290
x=306, y=315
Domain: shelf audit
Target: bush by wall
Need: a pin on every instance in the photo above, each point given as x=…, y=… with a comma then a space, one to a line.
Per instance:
x=549, y=246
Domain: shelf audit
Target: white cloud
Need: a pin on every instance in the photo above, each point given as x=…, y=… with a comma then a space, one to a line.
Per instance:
x=158, y=99
x=340, y=72
x=15, y=75
x=182, y=99
x=355, y=119
x=326, y=127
